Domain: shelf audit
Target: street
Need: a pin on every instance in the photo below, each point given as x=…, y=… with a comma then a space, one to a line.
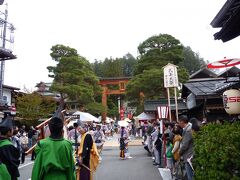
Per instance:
x=139, y=167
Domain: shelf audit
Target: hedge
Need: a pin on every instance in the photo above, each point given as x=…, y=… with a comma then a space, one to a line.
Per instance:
x=217, y=152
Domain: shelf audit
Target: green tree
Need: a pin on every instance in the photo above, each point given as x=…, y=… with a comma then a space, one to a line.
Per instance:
x=150, y=83
x=157, y=51
x=73, y=76
x=113, y=67
x=95, y=108
x=129, y=63
x=119, y=67
x=192, y=61
x=31, y=107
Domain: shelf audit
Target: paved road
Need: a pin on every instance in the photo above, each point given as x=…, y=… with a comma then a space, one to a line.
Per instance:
x=112, y=168
x=138, y=168
x=26, y=169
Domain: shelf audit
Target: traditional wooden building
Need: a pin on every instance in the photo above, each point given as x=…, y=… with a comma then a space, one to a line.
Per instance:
x=9, y=99
x=203, y=96
x=150, y=106
x=227, y=19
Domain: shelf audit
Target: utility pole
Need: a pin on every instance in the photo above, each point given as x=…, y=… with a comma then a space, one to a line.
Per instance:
x=6, y=54
x=3, y=46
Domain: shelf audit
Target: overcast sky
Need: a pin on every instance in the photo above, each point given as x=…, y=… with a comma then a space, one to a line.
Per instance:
x=106, y=28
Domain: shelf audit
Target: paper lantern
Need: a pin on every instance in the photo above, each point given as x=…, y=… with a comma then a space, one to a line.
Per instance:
x=231, y=101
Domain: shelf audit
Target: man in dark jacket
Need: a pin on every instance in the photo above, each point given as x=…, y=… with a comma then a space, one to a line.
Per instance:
x=186, y=145
x=9, y=155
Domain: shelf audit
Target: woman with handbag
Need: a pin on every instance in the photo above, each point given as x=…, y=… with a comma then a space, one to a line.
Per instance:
x=24, y=146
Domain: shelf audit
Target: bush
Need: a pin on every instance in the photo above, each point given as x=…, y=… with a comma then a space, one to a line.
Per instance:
x=217, y=152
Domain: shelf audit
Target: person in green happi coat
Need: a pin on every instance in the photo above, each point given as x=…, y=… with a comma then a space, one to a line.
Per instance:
x=54, y=155
x=9, y=154
x=4, y=174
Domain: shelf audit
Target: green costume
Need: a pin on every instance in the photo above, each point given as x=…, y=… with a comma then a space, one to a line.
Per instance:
x=4, y=172
x=54, y=160
x=9, y=157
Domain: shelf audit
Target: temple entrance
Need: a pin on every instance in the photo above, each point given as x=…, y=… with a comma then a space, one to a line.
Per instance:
x=112, y=85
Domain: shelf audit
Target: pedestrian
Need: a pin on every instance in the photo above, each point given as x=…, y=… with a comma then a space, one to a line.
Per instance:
x=176, y=147
x=87, y=155
x=150, y=130
x=24, y=146
x=186, y=145
x=9, y=155
x=74, y=136
x=123, y=141
x=16, y=138
x=158, y=146
x=156, y=154
x=30, y=135
x=169, y=154
x=99, y=139
x=22, y=129
x=34, y=141
x=54, y=160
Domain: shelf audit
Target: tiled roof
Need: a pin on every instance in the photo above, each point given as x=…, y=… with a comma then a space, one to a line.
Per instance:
x=151, y=105
x=209, y=87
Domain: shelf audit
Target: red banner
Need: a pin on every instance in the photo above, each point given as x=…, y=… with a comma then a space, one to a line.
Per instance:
x=121, y=113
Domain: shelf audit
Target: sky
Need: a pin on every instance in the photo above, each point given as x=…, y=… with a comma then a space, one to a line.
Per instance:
x=100, y=29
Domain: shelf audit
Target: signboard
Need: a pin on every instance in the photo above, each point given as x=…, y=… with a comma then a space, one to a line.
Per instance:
x=231, y=101
x=162, y=112
x=170, y=76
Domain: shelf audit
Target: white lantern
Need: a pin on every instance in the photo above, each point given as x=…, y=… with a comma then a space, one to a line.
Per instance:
x=231, y=101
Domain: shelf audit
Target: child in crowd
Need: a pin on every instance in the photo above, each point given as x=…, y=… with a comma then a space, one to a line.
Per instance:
x=169, y=155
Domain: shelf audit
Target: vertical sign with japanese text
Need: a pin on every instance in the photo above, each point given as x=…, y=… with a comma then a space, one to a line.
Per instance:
x=170, y=76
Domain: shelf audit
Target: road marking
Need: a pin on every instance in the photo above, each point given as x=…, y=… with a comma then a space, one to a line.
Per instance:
x=25, y=165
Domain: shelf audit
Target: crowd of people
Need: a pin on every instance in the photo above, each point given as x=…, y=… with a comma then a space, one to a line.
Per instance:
x=77, y=155
x=171, y=146
x=54, y=157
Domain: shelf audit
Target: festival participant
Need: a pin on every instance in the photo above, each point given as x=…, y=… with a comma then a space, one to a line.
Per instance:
x=74, y=136
x=123, y=140
x=99, y=137
x=4, y=174
x=54, y=160
x=9, y=155
x=87, y=155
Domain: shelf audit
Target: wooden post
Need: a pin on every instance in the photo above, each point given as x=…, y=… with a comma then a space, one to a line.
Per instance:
x=104, y=102
x=176, y=103
x=169, y=105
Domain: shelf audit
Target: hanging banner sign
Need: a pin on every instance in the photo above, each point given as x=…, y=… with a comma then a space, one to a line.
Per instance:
x=162, y=112
x=170, y=76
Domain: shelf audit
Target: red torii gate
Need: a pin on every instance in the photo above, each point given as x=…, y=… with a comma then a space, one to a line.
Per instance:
x=104, y=82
